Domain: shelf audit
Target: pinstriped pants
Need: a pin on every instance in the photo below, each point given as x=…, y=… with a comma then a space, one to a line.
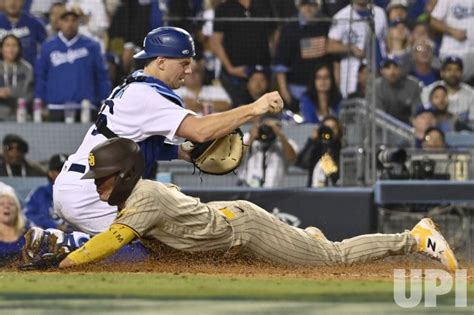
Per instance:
x=265, y=236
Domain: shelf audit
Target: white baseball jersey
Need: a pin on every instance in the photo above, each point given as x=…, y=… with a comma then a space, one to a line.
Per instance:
x=460, y=103
x=458, y=14
x=145, y=112
x=355, y=33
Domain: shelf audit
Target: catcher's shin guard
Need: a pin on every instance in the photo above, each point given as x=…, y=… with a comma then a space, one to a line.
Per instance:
x=46, y=248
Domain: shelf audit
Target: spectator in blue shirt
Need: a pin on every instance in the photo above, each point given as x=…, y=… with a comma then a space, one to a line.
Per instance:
x=39, y=203
x=27, y=28
x=422, y=68
x=12, y=226
x=70, y=70
x=322, y=98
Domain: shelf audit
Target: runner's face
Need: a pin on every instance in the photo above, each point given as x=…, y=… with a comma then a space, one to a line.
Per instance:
x=104, y=186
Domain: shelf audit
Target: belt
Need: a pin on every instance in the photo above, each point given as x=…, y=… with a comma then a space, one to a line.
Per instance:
x=79, y=168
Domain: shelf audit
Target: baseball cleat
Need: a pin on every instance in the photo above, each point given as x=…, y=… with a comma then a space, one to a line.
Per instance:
x=316, y=233
x=431, y=242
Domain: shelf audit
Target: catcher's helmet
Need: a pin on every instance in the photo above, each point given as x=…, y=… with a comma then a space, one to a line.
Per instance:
x=121, y=156
x=167, y=41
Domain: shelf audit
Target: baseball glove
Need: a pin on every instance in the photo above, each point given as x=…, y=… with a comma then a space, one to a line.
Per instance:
x=219, y=156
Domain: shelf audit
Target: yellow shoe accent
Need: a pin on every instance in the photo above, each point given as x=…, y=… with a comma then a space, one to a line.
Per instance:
x=431, y=242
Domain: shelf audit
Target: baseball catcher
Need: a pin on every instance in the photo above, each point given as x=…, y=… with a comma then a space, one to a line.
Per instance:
x=146, y=109
x=155, y=212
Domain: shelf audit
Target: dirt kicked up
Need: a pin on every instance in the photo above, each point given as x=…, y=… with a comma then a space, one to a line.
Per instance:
x=180, y=262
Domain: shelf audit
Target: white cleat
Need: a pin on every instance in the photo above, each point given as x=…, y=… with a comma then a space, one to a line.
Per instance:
x=431, y=242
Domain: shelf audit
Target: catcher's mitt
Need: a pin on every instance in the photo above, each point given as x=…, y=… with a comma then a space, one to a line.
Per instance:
x=219, y=156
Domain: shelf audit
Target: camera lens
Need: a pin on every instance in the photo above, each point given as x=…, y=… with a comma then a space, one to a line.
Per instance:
x=266, y=134
x=392, y=156
x=325, y=134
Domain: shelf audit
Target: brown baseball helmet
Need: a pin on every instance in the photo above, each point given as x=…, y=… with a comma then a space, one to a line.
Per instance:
x=119, y=156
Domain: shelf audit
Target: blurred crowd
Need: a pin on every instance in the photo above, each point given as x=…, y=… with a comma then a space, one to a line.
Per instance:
x=60, y=59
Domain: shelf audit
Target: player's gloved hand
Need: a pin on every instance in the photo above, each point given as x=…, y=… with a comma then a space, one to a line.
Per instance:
x=45, y=249
x=219, y=156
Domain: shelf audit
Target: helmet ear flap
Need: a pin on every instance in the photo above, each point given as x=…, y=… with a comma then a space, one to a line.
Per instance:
x=127, y=179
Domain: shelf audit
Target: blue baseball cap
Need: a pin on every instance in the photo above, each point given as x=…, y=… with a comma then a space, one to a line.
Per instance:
x=257, y=68
x=389, y=61
x=452, y=60
x=420, y=109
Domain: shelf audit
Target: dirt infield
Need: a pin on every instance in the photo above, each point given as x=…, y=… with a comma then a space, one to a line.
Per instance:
x=205, y=284
x=183, y=263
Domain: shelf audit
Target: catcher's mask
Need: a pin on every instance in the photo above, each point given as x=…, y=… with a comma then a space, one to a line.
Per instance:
x=121, y=156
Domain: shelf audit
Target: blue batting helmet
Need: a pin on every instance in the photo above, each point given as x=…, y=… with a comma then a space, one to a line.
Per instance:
x=167, y=41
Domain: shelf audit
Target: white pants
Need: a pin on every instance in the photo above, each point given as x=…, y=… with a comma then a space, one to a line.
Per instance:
x=78, y=203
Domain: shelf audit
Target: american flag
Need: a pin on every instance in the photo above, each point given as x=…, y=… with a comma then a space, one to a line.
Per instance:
x=313, y=47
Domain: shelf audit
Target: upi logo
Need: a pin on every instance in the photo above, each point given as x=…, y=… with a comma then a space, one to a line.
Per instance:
x=435, y=282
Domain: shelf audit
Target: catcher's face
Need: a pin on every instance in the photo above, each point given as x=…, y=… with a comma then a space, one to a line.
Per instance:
x=174, y=70
x=104, y=186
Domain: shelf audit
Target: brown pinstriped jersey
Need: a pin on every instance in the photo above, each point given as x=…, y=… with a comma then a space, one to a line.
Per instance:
x=158, y=211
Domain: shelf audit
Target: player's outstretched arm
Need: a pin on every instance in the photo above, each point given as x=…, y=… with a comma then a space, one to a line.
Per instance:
x=202, y=129
x=100, y=246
